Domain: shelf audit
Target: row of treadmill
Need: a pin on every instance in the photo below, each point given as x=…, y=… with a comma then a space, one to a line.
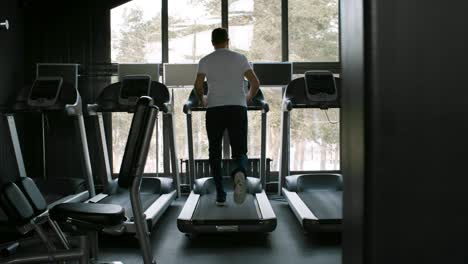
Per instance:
x=131, y=202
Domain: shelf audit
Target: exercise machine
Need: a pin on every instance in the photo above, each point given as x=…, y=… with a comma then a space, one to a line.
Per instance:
x=27, y=210
x=315, y=199
x=200, y=213
x=157, y=193
x=54, y=98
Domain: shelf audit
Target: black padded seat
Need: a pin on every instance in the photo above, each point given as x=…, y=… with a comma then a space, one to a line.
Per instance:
x=97, y=214
x=34, y=195
x=15, y=205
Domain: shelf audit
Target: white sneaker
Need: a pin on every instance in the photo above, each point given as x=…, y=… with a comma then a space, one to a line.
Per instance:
x=240, y=187
x=221, y=200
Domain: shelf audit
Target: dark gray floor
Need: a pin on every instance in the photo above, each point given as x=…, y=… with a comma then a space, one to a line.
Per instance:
x=286, y=245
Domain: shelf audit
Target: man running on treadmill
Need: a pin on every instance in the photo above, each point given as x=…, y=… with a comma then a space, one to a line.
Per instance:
x=226, y=104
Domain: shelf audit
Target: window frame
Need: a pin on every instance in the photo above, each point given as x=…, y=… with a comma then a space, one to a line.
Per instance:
x=298, y=67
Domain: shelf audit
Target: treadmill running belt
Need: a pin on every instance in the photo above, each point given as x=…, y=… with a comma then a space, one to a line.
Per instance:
x=123, y=199
x=208, y=210
x=325, y=204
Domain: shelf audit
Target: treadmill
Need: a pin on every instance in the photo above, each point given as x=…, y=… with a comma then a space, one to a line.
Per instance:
x=316, y=198
x=55, y=99
x=157, y=193
x=200, y=214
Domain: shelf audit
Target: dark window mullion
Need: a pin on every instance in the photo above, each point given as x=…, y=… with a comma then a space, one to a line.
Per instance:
x=284, y=30
x=224, y=14
x=339, y=33
x=165, y=31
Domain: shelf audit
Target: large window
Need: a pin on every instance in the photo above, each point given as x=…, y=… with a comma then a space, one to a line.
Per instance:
x=200, y=146
x=313, y=30
x=314, y=139
x=120, y=127
x=314, y=136
x=273, y=97
x=136, y=32
x=190, y=26
x=255, y=28
x=314, y=133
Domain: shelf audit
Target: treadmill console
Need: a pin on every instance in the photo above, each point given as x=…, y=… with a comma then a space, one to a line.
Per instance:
x=133, y=87
x=45, y=91
x=320, y=86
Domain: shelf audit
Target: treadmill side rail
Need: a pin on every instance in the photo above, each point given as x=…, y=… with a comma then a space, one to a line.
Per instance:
x=189, y=207
x=299, y=208
x=309, y=221
x=265, y=206
x=157, y=209
x=152, y=214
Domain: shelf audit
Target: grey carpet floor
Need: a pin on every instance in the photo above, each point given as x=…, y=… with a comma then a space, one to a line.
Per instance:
x=286, y=245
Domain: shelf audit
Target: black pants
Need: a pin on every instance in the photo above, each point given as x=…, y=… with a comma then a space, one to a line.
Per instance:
x=234, y=119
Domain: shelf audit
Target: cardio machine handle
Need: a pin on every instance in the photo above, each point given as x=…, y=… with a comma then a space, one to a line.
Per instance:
x=287, y=105
x=187, y=107
x=265, y=106
x=92, y=109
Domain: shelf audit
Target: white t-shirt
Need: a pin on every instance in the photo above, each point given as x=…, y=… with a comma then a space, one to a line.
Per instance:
x=224, y=70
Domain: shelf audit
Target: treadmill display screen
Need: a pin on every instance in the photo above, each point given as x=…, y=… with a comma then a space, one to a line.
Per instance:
x=45, y=89
x=135, y=87
x=320, y=84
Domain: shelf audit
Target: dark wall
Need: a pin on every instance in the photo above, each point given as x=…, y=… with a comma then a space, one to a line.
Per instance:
x=416, y=137
x=11, y=76
x=11, y=49
x=353, y=126
x=66, y=32
x=49, y=31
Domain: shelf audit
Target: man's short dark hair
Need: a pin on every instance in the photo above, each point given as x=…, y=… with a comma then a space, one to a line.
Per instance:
x=219, y=35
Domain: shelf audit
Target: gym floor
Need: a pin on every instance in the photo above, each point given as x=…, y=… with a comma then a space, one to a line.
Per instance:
x=287, y=244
